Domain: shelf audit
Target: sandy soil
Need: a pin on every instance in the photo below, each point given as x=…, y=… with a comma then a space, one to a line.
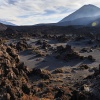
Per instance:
x=51, y=63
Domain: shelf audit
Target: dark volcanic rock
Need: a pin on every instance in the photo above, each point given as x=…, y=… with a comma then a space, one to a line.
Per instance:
x=45, y=74
x=22, y=45
x=13, y=75
x=67, y=53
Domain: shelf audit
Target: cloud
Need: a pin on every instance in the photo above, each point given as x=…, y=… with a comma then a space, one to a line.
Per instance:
x=12, y=1
x=29, y=12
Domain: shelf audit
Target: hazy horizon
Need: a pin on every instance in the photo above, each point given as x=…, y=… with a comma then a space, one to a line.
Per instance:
x=29, y=12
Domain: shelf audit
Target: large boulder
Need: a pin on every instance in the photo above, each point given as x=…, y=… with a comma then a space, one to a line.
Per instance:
x=45, y=74
x=22, y=45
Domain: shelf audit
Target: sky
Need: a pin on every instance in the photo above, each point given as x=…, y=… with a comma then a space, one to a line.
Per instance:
x=30, y=12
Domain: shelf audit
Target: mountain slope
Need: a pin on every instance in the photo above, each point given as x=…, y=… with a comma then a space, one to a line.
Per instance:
x=85, y=11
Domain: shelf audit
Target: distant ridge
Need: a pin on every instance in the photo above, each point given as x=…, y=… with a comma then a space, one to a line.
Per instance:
x=7, y=23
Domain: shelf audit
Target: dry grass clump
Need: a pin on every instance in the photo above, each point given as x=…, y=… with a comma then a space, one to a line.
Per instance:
x=45, y=99
x=26, y=97
x=90, y=57
x=37, y=52
x=58, y=70
x=84, y=66
x=48, y=96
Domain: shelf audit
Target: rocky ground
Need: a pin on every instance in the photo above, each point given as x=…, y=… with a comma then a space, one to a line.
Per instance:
x=53, y=68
